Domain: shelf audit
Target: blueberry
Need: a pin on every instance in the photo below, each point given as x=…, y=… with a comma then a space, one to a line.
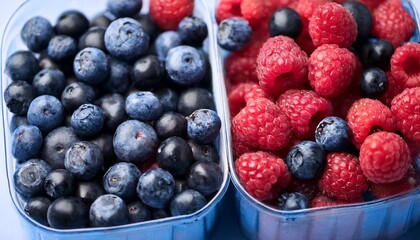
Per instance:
x=67, y=213
x=91, y=66
x=84, y=160
x=124, y=8
x=333, y=134
x=160, y=213
x=203, y=126
x=36, y=33
x=193, y=99
x=166, y=41
x=148, y=25
x=88, y=191
x=59, y=183
x=113, y=107
x=285, y=21
x=56, y=144
x=49, y=82
x=76, y=94
x=187, y=202
x=138, y=212
x=37, y=208
x=121, y=179
x=94, y=37
x=205, y=177
x=204, y=152
x=174, y=155
x=72, y=23
x=125, y=39
x=171, y=124
x=233, y=33
x=135, y=141
x=143, y=106
x=45, y=112
x=376, y=54
x=293, y=201
x=46, y=62
x=185, y=65
x=103, y=19
x=416, y=163
x=62, y=48
x=156, y=187
x=26, y=142
x=29, y=177
x=192, y=31
x=306, y=160
x=22, y=65
x=180, y=185
x=16, y=121
x=87, y=120
x=363, y=18
x=148, y=72
x=169, y=99
x=104, y=142
x=373, y=83
x=108, y=210
x=119, y=77
x=18, y=96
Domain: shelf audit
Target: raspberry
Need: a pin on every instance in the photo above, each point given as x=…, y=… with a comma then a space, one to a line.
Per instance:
x=283, y=3
x=331, y=69
x=394, y=88
x=256, y=11
x=240, y=147
x=281, y=65
x=262, y=174
x=393, y=23
x=384, y=157
x=331, y=23
x=242, y=93
x=168, y=13
x=405, y=65
x=241, y=65
x=306, y=8
x=304, y=40
x=381, y=190
x=304, y=109
x=228, y=9
x=309, y=188
x=324, y=201
x=343, y=177
x=366, y=116
x=261, y=124
x=406, y=110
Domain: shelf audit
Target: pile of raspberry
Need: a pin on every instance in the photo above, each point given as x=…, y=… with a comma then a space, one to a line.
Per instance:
x=280, y=88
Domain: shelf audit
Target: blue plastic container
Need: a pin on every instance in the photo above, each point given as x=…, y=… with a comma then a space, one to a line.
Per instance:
x=194, y=226
x=386, y=218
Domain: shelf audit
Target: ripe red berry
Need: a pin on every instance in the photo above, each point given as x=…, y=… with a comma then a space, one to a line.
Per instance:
x=393, y=23
x=255, y=11
x=281, y=65
x=227, y=9
x=381, y=190
x=243, y=92
x=367, y=116
x=324, y=201
x=405, y=65
x=168, y=13
x=343, y=177
x=331, y=23
x=261, y=124
x=331, y=69
x=262, y=174
x=304, y=109
x=384, y=157
x=406, y=110
x=394, y=88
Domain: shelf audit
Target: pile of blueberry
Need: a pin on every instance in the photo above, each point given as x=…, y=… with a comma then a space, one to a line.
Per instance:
x=114, y=120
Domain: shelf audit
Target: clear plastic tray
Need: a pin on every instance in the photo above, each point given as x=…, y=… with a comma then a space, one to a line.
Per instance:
x=194, y=226
x=386, y=218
